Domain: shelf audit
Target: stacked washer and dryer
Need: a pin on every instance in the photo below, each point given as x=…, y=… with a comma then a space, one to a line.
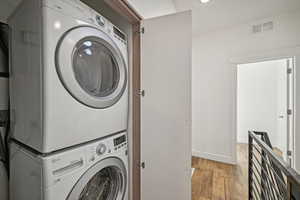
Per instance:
x=69, y=103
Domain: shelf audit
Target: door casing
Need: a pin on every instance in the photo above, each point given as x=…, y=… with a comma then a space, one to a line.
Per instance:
x=284, y=53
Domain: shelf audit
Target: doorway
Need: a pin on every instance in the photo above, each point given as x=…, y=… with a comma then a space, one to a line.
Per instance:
x=265, y=102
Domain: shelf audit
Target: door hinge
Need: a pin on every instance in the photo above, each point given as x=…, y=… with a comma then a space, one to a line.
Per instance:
x=289, y=70
x=143, y=165
x=289, y=111
x=141, y=31
x=289, y=153
x=142, y=93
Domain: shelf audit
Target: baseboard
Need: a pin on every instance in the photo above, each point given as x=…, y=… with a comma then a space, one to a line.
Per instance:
x=214, y=157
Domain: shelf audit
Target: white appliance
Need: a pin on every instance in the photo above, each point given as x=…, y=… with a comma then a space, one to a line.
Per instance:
x=68, y=75
x=98, y=170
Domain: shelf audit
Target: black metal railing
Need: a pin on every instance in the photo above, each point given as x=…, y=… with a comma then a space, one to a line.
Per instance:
x=270, y=177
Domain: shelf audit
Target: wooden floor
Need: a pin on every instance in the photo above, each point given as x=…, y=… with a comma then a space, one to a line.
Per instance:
x=218, y=181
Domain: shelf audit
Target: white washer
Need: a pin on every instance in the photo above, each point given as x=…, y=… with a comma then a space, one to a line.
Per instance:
x=98, y=170
x=69, y=69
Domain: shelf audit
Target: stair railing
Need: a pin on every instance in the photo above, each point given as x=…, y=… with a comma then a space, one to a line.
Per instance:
x=270, y=177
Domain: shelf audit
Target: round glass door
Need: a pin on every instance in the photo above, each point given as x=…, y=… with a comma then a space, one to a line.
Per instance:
x=103, y=186
x=95, y=68
x=91, y=67
x=105, y=181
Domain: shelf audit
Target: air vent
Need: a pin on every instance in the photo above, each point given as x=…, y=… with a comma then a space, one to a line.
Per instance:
x=259, y=28
x=268, y=26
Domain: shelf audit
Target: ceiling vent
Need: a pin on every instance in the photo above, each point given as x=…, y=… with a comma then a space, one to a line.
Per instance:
x=259, y=28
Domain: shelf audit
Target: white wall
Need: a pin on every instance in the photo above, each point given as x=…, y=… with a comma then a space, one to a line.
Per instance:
x=214, y=80
x=261, y=99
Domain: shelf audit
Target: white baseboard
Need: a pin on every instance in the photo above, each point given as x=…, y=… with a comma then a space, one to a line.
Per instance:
x=214, y=157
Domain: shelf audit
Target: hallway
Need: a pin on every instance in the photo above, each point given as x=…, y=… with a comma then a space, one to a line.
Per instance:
x=217, y=181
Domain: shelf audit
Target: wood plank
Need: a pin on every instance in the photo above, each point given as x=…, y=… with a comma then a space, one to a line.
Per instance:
x=136, y=112
x=218, y=181
x=203, y=187
x=218, y=187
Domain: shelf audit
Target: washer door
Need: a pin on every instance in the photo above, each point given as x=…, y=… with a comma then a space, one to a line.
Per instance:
x=91, y=67
x=104, y=181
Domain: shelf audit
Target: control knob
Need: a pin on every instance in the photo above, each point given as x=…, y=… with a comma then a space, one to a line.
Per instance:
x=101, y=149
x=100, y=20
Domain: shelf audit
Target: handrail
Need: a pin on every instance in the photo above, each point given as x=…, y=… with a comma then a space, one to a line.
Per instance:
x=278, y=180
x=287, y=170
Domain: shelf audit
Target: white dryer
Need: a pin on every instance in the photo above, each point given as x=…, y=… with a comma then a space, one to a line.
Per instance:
x=95, y=171
x=69, y=82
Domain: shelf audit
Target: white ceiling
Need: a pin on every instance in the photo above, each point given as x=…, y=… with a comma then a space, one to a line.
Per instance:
x=226, y=13
x=182, y=5
x=6, y=8
x=153, y=8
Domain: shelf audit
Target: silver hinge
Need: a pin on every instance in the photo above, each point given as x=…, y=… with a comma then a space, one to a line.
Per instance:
x=142, y=93
x=289, y=153
x=142, y=30
x=289, y=70
x=143, y=165
x=289, y=111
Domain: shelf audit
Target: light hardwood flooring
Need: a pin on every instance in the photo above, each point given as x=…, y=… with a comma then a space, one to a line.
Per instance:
x=218, y=181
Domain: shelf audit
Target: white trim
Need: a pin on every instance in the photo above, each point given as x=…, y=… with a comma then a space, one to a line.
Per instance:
x=214, y=157
x=266, y=55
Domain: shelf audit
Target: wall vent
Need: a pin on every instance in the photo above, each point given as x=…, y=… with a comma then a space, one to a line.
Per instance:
x=259, y=28
x=268, y=26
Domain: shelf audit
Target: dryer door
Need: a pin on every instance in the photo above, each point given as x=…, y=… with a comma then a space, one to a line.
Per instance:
x=104, y=181
x=91, y=67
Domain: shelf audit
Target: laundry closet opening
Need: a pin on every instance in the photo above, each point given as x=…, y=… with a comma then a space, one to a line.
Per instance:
x=265, y=102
